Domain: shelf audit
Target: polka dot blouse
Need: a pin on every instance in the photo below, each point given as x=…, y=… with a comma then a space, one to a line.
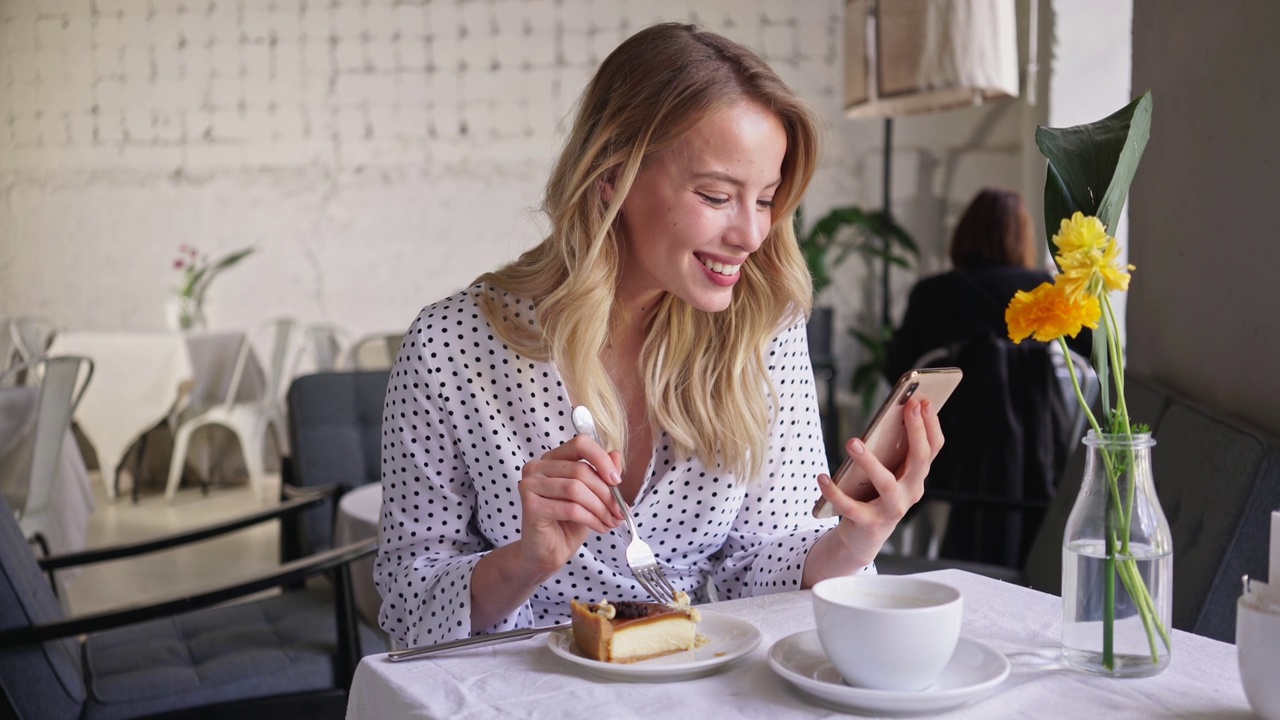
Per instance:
x=464, y=413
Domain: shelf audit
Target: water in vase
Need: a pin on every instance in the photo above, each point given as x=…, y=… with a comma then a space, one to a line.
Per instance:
x=1083, y=574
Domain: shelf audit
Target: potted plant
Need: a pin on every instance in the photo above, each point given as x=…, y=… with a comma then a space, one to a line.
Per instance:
x=880, y=241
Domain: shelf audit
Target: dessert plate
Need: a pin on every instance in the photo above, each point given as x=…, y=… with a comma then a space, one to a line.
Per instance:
x=973, y=673
x=728, y=638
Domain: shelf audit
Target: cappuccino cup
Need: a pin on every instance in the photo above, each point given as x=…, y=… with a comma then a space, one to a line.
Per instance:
x=887, y=632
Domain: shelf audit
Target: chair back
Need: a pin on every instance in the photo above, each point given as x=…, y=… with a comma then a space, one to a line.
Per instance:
x=63, y=381
x=377, y=351
x=1009, y=438
x=282, y=341
x=32, y=336
x=326, y=344
x=8, y=346
x=335, y=436
x=36, y=681
x=1073, y=364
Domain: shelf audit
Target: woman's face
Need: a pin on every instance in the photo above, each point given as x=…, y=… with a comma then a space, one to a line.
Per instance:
x=697, y=210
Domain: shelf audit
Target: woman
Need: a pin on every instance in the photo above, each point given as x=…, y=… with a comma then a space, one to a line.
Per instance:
x=670, y=299
x=1009, y=422
x=993, y=253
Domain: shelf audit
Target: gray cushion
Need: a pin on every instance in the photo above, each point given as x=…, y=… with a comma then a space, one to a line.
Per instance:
x=38, y=681
x=277, y=645
x=1204, y=471
x=335, y=435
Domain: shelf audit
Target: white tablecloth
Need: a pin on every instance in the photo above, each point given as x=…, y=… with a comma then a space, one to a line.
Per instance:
x=137, y=379
x=358, y=519
x=524, y=678
x=72, y=499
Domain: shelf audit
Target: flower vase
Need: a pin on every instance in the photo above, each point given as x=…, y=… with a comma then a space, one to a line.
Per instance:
x=185, y=313
x=1117, y=564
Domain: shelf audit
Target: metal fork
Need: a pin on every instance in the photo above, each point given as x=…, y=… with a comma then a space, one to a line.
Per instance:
x=640, y=557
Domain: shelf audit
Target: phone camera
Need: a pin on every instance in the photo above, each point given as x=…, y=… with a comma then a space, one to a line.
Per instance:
x=911, y=390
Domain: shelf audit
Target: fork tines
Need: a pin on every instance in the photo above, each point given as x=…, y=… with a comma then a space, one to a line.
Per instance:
x=655, y=582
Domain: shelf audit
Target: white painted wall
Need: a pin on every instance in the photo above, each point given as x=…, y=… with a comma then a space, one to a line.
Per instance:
x=378, y=153
x=1205, y=306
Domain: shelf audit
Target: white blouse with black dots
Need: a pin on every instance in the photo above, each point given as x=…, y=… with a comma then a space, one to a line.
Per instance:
x=464, y=413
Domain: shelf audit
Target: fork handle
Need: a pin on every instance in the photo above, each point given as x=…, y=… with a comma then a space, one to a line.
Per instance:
x=626, y=510
x=421, y=650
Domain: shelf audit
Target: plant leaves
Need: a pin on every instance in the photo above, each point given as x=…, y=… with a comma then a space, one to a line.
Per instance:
x=1091, y=166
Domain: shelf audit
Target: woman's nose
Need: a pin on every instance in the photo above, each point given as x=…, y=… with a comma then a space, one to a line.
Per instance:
x=749, y=229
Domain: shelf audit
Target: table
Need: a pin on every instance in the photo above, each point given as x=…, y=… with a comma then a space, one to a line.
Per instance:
x=359, y=514
x=137, y=382
x=71, y=503
x=524, y=679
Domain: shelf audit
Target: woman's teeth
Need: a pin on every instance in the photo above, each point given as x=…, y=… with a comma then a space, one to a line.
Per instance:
x=721, y=268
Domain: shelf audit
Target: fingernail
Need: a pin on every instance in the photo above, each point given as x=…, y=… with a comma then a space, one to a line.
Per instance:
x=614, y=477
x=857, y=447
x=928, y=408
x=824, y=480
x=915, y=410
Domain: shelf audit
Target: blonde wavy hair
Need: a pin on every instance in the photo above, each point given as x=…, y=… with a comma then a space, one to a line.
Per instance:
x=705, y=377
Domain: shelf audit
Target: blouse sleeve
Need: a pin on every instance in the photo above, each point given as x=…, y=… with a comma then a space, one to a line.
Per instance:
x=774, y=528
x=430, y=544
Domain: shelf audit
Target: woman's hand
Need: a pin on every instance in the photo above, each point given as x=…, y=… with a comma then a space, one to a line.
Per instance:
x=563, y=499
x=866, y=525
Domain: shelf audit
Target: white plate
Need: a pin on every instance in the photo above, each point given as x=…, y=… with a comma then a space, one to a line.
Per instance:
x=974, y=671
x=728, y=638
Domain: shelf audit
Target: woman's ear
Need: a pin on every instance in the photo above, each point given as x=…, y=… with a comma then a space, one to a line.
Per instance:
x=606, y=189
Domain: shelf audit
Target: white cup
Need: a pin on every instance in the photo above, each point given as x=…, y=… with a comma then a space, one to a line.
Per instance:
x=1258, y=652
x=887, y=632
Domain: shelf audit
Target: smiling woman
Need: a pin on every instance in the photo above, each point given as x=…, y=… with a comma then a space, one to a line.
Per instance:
x=670, y=299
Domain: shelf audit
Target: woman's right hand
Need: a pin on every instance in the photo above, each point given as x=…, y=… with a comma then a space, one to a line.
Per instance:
x=563, y=499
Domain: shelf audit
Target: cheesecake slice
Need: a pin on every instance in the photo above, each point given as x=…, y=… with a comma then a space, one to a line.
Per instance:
x=625, y=631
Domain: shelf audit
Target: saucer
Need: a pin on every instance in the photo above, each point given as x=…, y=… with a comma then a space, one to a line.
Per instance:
x=974, y=671
x=728, y=638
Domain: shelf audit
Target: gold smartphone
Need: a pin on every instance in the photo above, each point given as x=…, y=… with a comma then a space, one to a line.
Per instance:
x=886, y=436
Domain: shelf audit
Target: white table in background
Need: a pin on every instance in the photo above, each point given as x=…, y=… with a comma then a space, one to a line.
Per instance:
x=359, y=513
x=525, y=679
x=137, y=381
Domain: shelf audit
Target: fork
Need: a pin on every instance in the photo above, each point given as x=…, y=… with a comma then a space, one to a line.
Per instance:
x=640, y=557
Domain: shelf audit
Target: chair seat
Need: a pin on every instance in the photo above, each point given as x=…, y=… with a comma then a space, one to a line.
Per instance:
x=278, y=645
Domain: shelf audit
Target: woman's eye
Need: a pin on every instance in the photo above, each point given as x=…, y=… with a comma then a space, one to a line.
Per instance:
x=767, y=204
x=712, y=200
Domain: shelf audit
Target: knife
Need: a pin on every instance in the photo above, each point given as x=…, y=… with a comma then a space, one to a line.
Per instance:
x=423, y=650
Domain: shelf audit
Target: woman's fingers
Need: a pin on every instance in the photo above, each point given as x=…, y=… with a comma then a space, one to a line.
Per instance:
x=574, y=482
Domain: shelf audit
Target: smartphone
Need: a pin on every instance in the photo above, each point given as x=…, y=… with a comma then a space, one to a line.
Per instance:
x=886, y=436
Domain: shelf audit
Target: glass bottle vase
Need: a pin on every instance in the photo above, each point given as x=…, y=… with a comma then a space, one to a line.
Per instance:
x=1117, y=564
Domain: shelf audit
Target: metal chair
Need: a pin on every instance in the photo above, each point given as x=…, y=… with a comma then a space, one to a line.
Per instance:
x=248, y=420
x=288, y=655
x=31, y=336
x=62, y=382
x=326, y=344
x=376, y=351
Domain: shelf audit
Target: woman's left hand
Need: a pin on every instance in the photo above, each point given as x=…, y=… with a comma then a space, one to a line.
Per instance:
x=866, y=525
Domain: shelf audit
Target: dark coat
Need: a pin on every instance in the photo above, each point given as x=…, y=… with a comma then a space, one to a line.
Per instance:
x=1008, y=425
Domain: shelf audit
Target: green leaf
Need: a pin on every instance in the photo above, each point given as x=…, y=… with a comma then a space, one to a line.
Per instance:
x=1091, y=166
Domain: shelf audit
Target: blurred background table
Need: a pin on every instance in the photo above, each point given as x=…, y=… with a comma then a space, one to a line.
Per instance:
x=142, y=379
x=358, y=519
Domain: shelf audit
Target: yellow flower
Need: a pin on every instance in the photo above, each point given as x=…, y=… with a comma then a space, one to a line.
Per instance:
x=1081, y=233
x=1048, y=313
x=1087, y=257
